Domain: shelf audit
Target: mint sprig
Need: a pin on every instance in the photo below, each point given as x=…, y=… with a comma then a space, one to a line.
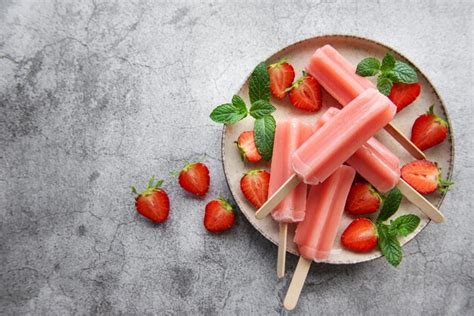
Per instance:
x=389, y=71
x=261, y=108
x=264, y=129
x=259, y=84
x=230, y=113
x=390, y=205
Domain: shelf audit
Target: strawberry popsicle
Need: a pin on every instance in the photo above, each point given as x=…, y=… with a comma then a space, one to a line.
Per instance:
x=332, y=144
x=373, y=161
x=289, y=135
x=338, y=76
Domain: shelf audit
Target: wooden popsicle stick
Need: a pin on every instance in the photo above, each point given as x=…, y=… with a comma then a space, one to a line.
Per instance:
x=420, y=201
x=282, y=250
x=278, y=196
x=404, y=141
x=296, y=284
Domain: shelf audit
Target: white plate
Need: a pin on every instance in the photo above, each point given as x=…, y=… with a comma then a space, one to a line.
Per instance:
x=354, y=49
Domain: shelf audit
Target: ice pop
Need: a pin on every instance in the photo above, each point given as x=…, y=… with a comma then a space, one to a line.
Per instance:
x=316, y=233
x=379, y=166
x=332, y=144
x=289, y=135
x=338, y=77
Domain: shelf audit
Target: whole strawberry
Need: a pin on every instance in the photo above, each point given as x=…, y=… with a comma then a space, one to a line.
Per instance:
x=219, y=216
x=363, y=199
x=194, y=178
x=429, y=130
x=248, y=149
x=360, y=235
x=254, y=185
x=281, y=76
x=305, y=94
x=153, y=203
x=424, y=176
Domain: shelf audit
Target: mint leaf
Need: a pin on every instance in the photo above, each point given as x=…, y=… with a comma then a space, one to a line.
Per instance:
x=264, y=129
x=405, y=224
x=259, y=84
x=388, y=62
x=228, y=113
x=405, y=73
x=368, y=67
x=384, y=84
x=239, y=104
x=389, y=245
x=261, y=108
x=390, y=205
x=392, y=75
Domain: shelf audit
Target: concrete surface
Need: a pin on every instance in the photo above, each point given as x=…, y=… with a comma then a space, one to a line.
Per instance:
x=96, y=96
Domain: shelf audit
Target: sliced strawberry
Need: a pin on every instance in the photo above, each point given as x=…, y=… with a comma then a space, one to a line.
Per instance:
x=247, y=147
x=281, y=75
x=360, y=235
x=254, y=186
x=305, y=94
x=403, y=94
x=194, y=178
x=363, y=199
x=153, y=203
x=429, y=130
x=219, y=216
x=424, y=176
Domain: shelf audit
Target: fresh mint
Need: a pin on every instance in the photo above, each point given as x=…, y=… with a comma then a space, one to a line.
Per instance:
x=389, y=245
x=259, y=84
x=389, y=72
x=230, y=113
x=264, y=129
x=261, y=108
x=405, y=224
x=390, y=205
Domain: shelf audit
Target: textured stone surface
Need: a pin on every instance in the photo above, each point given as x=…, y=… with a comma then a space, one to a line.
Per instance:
x=96, y=96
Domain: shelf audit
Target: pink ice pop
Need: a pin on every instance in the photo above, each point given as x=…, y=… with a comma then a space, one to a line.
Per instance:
x=289, y=135
x=316, y=233
x=373, y=161
x=337, y=75
x=332, y=144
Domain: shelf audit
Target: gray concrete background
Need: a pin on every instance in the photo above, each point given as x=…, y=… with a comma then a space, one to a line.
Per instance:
x=96, y=96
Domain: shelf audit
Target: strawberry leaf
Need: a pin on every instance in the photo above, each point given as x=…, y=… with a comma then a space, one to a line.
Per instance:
x=405, y=73
x=264, y=129
x=405, y=224
x=259, y=84
x=389, y=245
x=261, y=108
x=390, y=205
x=368, y=67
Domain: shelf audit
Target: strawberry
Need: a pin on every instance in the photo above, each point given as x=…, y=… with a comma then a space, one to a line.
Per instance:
x=254, y=185
x=194, y=178
x=360, y=235
x=153, y=203
x=363, y=199
x=424, y=176
x=305, y=94
x=248, y=149
x=429, y=130
x=281, y=75
x=219, y=216
x=402, y=94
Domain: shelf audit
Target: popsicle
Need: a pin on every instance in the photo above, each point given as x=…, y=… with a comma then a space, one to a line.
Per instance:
x=289, y=135
x=315, y=235
x=338, y=76
x=379, y=166
x=331, y=145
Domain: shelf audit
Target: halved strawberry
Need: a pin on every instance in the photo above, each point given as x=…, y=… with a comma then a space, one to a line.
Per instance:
x=153, y=203
x=360, y=236
x=247, y=147
x=254, y=185
x=363, y=199
x=429, y=130
x=305, y=94
x=281, y=75
x=219, y=216
x=402, y=94
x=424, y=176
x=194, y=178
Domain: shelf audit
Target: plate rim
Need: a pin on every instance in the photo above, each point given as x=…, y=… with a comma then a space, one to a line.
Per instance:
x=388, y=47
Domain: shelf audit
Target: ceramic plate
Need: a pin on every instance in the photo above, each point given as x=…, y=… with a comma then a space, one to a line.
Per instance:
x=354, y=49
